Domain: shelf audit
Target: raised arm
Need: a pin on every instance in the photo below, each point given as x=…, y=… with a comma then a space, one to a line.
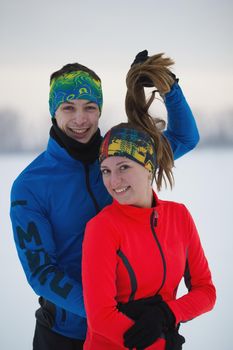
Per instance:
x=182, y=131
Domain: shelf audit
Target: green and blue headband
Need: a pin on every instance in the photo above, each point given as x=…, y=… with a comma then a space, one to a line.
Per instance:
x=125, y=141
x=74, y=85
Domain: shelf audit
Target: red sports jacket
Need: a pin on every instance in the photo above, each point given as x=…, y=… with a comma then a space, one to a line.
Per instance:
x=131, y=253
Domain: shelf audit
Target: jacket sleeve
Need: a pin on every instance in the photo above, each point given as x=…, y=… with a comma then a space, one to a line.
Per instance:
x=182, y=131
x=201, y=294
x=33, y=235
x=99, y=282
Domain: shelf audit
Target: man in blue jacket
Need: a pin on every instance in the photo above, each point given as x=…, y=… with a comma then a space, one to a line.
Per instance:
x=61, y=190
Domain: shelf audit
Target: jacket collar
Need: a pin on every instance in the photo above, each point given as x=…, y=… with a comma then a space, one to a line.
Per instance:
x=86, y=153
x=54, y=150
x=138, y=214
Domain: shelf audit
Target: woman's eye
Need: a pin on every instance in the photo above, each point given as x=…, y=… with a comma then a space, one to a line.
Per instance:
x=124, y=167
x=104, y=171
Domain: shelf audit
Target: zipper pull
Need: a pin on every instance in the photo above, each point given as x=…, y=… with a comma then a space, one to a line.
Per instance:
x=155, y=218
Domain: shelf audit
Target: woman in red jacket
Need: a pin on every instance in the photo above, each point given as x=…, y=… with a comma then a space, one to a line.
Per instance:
x=138, y=249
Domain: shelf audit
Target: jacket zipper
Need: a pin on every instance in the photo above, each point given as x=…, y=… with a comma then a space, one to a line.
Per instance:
x=153, y=224
x=97, y=208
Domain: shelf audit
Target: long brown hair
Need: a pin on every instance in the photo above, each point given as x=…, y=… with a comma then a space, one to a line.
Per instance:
x=154, y=70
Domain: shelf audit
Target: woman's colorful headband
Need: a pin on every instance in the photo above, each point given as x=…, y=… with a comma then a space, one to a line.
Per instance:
x=128, y=142
x=74, y=85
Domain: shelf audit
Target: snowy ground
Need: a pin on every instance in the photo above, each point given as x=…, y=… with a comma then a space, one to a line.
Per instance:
x=204, y=184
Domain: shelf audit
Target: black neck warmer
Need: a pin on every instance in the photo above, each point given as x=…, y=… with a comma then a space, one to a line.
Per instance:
x=85, y=152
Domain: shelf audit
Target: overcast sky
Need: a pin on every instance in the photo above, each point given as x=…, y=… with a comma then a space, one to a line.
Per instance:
x=39, y=37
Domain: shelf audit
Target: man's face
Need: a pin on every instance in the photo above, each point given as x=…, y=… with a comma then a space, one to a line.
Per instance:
x=78, y=119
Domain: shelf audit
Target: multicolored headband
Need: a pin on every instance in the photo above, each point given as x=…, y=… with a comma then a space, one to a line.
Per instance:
x=74, y=85
x=128, y=142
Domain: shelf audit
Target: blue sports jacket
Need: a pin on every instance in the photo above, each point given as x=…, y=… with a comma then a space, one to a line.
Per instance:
x=51, y=202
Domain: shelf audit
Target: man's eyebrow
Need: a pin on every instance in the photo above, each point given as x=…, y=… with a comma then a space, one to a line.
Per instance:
x=69, y=102
x=88, y=102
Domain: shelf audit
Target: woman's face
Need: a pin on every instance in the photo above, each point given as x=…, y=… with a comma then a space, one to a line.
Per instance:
x=127, y=181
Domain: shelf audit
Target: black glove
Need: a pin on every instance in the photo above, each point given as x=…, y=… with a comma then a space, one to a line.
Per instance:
x=176, y=80
x=174, y=340
x=149, y=327
x=141, y=57
x=135, y=308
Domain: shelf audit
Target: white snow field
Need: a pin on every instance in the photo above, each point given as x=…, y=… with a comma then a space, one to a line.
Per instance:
x=204, y=183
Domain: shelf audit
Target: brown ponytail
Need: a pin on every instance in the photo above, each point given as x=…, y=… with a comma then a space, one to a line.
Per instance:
x=155, y=70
